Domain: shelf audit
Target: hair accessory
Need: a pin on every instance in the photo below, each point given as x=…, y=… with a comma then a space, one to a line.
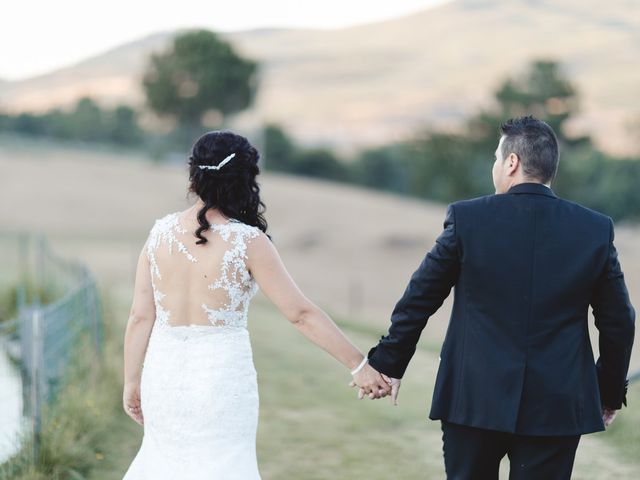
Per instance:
x=220, y=165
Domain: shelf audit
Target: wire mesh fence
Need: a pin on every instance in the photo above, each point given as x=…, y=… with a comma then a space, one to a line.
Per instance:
x=55, y=302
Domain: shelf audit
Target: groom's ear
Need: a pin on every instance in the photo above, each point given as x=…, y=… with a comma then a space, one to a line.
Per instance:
x=513, y=162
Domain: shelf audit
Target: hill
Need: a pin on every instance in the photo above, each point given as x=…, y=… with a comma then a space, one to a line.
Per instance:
x=373, y=83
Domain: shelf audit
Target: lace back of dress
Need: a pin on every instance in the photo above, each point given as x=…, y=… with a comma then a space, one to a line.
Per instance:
x=207, y=285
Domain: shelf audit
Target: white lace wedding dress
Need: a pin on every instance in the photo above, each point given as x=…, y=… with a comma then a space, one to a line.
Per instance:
x=198, y=389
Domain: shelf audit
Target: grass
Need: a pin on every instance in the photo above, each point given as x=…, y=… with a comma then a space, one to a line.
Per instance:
x=311, y=424
x=73, y=429
x=624, y=433
x=80, y=426
x=312, y=427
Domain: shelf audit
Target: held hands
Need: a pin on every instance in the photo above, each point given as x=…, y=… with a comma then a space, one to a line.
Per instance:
x=608, y=415
x=394, y=383
x=370, y=382
x=131, y=402
x=373, y=384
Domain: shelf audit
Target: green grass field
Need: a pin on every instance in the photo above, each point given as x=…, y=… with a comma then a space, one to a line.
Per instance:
x=311, y=424
x=312, y=427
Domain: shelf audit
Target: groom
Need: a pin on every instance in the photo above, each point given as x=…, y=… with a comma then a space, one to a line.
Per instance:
x=517, y=374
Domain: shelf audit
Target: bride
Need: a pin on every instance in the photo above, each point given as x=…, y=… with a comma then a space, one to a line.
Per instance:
x=189, y=377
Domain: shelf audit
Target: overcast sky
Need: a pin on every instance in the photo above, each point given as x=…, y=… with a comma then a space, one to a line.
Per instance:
x=39, y=36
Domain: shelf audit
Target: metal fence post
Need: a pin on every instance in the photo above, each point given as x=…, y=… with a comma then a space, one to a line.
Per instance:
x=92, y=306
x=36, y=379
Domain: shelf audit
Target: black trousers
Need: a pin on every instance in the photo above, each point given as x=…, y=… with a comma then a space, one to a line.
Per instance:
x=474, y=454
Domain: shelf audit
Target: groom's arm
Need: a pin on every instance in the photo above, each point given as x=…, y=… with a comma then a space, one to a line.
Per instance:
x=615, y=319
x=429, y=286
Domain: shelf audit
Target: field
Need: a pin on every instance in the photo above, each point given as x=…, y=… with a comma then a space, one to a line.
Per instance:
x=350, y=250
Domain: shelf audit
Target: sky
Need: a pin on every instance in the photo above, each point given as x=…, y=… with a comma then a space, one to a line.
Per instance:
x=40, y=36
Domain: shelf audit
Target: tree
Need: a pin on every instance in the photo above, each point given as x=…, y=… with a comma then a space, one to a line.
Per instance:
x=88, y=120
x=448, y=166
x=319, y=163
x=199, y=74
x=279, y=149
x=543, y=91
x=383, y=167
x=123, y=127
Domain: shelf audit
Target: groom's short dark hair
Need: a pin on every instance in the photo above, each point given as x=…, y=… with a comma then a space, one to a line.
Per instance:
x=536, y=145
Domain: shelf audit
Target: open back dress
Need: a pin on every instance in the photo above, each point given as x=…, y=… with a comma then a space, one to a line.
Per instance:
x=198, y=390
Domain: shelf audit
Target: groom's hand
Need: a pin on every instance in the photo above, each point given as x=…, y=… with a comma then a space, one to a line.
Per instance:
x=395, y=387
x=608, y=415
x=371, y=383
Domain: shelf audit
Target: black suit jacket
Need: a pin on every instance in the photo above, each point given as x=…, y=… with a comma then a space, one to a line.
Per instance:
x=526, y=266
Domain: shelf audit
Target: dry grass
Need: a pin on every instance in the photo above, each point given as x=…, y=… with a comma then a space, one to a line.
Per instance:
x=350, y=250
x=313, y=428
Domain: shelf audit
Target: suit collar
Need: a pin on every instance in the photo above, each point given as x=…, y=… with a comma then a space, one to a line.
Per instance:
x=535, y=188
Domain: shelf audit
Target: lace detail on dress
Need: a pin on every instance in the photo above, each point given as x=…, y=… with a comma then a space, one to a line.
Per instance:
x=163, y=230
x=234, y=277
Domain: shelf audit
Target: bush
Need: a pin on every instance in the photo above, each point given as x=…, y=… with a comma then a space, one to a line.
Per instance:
x=87, y=122
x=79, y=423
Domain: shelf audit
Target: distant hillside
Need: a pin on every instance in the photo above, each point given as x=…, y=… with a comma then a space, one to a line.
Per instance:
x=352, y=250
x=373, y=83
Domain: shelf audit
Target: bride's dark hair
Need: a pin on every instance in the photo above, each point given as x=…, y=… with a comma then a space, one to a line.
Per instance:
x=233, y=188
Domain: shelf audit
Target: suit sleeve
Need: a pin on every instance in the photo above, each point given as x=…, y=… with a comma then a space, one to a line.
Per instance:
x=615, y=319
x=429, y=286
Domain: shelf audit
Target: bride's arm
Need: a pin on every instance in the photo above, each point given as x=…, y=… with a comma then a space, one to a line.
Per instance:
x=136, y=337
x=274, y=280
x=141, y=319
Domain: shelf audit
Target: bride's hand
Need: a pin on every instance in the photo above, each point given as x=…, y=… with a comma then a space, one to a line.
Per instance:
x=131, y=402
x=370, y=383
